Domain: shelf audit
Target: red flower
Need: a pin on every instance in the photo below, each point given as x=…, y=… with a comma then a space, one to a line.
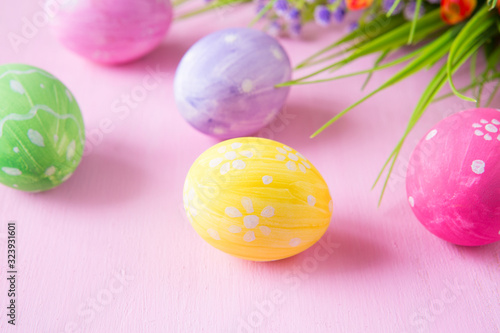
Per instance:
x=454, y=11
x=358, y=4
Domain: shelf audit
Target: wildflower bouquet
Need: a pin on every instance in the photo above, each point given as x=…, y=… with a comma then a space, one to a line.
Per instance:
x=453, y=30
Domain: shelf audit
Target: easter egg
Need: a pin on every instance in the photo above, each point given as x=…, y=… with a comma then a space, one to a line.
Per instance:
x=111, y=31
x=453, y=178
x=41, y=129
x=225, y=83
x=257, y=199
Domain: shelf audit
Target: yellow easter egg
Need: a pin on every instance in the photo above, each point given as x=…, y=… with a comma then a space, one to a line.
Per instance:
x=257, y=199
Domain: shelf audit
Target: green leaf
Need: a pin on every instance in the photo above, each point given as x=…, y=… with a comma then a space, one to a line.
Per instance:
x=394, y=39
x=369, y=31
x=473, y=71
x=178, y=2
x=479, y=93
x=418, y=5
x=397, y=61
x=212, y=6
x=472, y=30
x=493, y=93
x=435, y=49
x=492, y=57
x=463, y=89
x=432, y=89
x=473, y=66
x=381, y=58
x=393, y=7
x=397, y=38
x=262, y=12
x=469, y=87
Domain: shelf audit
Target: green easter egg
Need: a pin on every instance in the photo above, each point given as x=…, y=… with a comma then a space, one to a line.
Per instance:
x=42, y=134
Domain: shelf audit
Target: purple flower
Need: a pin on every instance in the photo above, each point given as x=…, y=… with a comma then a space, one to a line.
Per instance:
x=260, y=6
x=352, y=26
x=295, y=28
x=281, y=7
x=339, y=14
x=293, y=15
x=409, y=11
x=275, y=29
x=322, y=15
x=340, y=2
x=387, y=4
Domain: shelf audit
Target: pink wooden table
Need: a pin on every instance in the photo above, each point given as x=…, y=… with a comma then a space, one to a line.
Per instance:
x=112, y=251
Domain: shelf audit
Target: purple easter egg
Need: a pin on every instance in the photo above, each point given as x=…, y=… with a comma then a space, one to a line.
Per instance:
x=453, y=179
x=225, y=83
x=111, y=31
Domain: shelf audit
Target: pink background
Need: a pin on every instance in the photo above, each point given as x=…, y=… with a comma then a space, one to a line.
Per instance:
x=121, y=214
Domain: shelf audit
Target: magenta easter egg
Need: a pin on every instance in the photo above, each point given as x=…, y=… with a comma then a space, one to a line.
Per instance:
x=453, y=179
x=225, y=83
x=110, y=31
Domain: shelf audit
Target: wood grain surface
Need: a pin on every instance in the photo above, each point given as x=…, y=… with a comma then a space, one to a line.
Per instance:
x=111, y=250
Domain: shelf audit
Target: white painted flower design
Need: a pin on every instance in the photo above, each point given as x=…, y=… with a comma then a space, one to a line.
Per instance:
x=293, y=160
x=189, y=203
x=486, y=129
x=250, y=220
x=478, y=166
x=190, y=200
x=230, y=159
x=277, y=53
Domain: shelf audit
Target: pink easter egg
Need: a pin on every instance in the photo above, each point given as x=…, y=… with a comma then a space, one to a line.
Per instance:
x=111, y=31
x=453, y=179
